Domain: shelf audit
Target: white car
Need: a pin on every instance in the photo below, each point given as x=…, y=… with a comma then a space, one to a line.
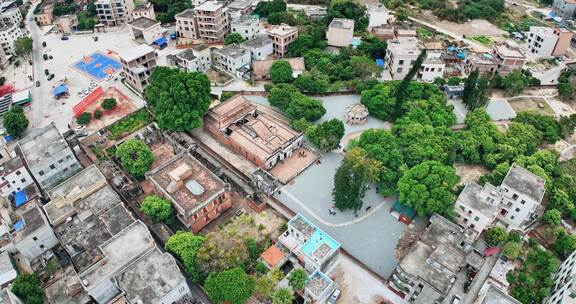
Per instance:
x=334, y=297
x=81, y=128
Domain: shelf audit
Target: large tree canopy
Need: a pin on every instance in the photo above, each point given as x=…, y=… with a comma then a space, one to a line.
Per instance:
x=232, y=286
x=135, y=157
x=281, y=72
x=15, y=121
x=185, y=246
x=180, y=99
x=157, y=208
x=427, y=188
x=28, y=288
x=326, y=136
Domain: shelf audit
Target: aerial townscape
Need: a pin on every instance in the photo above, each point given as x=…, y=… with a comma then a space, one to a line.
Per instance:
x=288, y=151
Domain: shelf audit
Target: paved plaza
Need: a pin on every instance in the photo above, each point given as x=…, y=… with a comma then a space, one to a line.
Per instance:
x=372, y=236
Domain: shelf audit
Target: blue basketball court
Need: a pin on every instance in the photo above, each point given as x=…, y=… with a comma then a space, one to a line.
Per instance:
x=98, y=65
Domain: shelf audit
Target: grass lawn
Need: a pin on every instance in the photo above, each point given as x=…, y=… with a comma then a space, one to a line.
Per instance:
x=423, y=33
x=129, y=124
x=531, y=104
x=486, y=41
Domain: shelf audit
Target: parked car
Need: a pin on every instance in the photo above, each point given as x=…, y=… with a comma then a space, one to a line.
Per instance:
x=81, y=133
x=50, y=77
x=64, y=38
x=37, y=83
x=456, y=300
x=334, y=297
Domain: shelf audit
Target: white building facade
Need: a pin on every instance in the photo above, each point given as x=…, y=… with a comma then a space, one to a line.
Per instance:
x=247, y=26
x=401, y=55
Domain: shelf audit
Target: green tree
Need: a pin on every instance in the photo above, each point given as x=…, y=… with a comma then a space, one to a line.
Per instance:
x=282, y=296
x=326, y=136
x=281, y=72
x=511, y=250
x=84, y=118
x=184, y=246
x=453, y=81
x=402, y=88
x=135, y=157
x=157, y=208
x=548, y=125
x=109, y=103
x=23, y=46
x=305, y=107
x=495, y=235
x=476, y=90
x=265, y=8
x=264, y=286
x=27, y=287
x=180, y=99
x=97, y=114
x=232, y=286
x=233, y=38
x=363, y=67
x=565, y=90
x=300, y=125
x=350, y=10
x=565, y=243
x=372, y=47
x=297, y=278
x=166, y=9
x=427, y=187
x=515, y=82
x=351, y=179
x=552, y=217
x=282, y=17
x=15, y=121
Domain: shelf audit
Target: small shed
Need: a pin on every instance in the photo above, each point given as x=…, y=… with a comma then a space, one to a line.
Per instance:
x=356, y=114
x=60, y=91
x=403, y=213
x=21, y=97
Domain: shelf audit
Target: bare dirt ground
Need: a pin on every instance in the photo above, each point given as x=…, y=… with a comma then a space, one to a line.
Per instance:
x=409, y=236
x=469, y=173
x=535, y=104
x=124, y=106
x=474, y=27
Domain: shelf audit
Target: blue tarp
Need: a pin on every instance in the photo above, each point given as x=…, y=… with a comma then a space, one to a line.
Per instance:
x=20, y=198
x=461, y=55
x=160, y=41
x=18, y=225
x=552, y=14
x=8, y=138
x=380, y=62
x=59, y=90
x=452, y=49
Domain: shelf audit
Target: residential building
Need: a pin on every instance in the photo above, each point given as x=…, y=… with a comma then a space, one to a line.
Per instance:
x=564, y=9
x=204, y=55
x=508, y=56
x=212, y=21
x=432, y=67
x=314, y=12
x=48, y=156
x=239, y=8
x=66, y=289
x=515, y=204
x=377, y=15
x=401, y=55
x=340, y=32
x=247, y=26
x=12, y=15
x=314, y=249
x=145, y=30
x=137, y=64
x=231, y=58
x=114, y=12
x=383, y=32
x=318, y=287
x=491, y=294
x=485, y=63
x=185, y=61
x=198, y=195
x=426, y=273
x=260, y=47
x=144, y=10
x=32, y=234
x=14, y=177
x=66, y=24
x=107, y=245
x=8, y=297
x=257, y=132
x=564, y=289
x=9, y=33
x=282, y=35
x=547, y=42
x=185, y=24
x=261, y=68
x=8, y=271
x=44, y=18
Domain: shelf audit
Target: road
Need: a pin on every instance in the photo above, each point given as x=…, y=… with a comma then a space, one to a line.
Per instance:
x=39, y=94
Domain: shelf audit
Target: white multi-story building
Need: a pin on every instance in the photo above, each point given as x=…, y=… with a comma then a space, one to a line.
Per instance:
x=12, y=15
x=185, y=24
x=247, y=26
x=282, y=35
x=9, y=32
x=340, y=32
x=145, y=29
x=564, y=8
x=514, y=204
x=114, y=12
x=432, y=67
x=137, y=64
x=232, y=58
x=564, y=290
x=377, y=15
x=144, y=10
x=195, y=59
x=14, y=176
x=212, y=21
x=33, y=234
x=401, y=55
x=48, y=156
x=260, y=47
x=544, y=42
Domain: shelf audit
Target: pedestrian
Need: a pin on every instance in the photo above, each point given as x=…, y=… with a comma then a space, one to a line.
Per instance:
x=368, y=208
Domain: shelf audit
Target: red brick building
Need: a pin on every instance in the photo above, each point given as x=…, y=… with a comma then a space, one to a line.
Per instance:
x=198, y=195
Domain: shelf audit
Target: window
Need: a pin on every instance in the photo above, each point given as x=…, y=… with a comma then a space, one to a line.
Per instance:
x=35, y=238
x=41, y=246
x=517, y=209
x=462, y=207
x=522, y=202
x=476, y=218
x=52, y=166
x=23, y=180
x=18, y=172
x=514, y=196
x=401, y=62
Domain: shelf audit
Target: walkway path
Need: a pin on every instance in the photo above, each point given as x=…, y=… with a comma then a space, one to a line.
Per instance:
x=476, y=46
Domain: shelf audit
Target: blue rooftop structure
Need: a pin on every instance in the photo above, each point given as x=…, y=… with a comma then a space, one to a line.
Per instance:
x=60, y=90
x=380, y=62
x=8, y=138
x=20, y=198
x=161, y=42
x=317, y=239
x=18, y=225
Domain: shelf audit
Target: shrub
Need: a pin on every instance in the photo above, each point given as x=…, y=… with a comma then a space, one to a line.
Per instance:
x=109, y=103
x=84, y=118
x=97, y=114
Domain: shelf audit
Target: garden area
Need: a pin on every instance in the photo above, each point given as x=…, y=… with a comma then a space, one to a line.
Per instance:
x=531, y=104
x=486, y=41
x=111, y=107
x=129, y=124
